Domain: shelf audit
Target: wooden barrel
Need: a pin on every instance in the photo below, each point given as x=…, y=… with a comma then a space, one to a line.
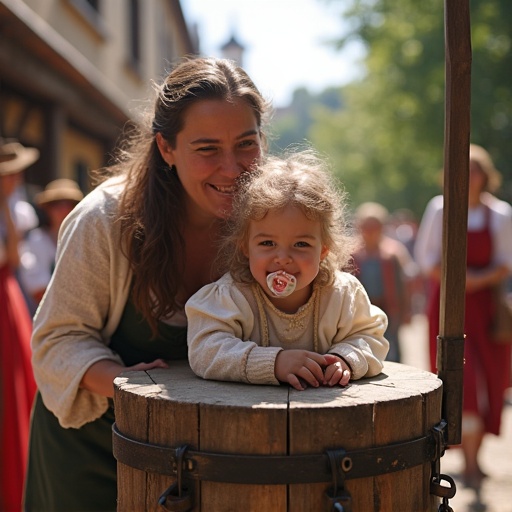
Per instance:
x=386, y=420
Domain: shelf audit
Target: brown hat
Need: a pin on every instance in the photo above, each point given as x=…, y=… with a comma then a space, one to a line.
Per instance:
x=482, y=157
x=14, y=157
x=371, y=210
x=59, y=190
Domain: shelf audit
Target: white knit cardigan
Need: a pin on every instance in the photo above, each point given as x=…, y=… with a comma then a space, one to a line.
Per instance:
x=82, y=307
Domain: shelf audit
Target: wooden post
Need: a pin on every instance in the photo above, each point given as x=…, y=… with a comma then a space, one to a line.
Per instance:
x=450, y=346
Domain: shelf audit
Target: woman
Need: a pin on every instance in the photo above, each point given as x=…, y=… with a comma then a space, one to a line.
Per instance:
x=17, y=386
x=489, y=261
x=129, y=257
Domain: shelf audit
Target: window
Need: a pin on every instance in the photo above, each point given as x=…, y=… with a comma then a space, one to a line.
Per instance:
x=90, y=10
x=81, y=172
x=95, y=4
x=134, y=56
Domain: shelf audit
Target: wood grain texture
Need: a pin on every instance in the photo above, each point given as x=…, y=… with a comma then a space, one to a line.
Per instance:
x=173, y=407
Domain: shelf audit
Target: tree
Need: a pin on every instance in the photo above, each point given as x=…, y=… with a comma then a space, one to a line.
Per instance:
x=291, y=125
x=387, y=143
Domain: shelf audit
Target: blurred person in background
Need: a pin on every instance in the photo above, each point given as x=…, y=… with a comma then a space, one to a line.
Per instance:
x=384, y=266
x=403, y=226
x=489, y=261
x=17, y=387
x=39, y=248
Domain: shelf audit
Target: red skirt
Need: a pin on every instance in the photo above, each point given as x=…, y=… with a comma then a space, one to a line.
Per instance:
x=486, y=364
x=17, y=390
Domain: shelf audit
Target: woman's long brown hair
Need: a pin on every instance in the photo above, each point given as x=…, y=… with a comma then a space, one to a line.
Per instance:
x=152, y=209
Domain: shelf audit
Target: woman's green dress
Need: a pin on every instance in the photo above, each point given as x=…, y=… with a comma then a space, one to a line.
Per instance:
x=73, y=470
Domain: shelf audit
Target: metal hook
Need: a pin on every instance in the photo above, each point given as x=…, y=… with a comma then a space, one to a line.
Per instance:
x=174, y=499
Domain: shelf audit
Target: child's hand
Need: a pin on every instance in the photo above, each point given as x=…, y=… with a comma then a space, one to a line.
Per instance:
x=337, y=371
x=294, y=366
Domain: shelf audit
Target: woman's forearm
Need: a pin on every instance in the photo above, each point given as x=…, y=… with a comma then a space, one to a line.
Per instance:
x=486, y=278
x=99, y=378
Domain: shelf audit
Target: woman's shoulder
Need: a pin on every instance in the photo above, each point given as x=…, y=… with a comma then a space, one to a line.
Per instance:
x=99, y=206
x=93, y=220
x=496, y=205
x=103, y=199
x=435, y=204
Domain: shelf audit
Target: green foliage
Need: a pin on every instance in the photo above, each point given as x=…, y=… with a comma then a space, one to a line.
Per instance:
x=386, y=142
x=292, y=125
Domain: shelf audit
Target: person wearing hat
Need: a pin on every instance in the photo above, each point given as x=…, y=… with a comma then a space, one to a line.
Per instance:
x=489, y=262
x=17, y=386
x=39, y=248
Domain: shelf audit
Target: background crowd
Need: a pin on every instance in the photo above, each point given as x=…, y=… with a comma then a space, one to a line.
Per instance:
x=28, y=244
x=398, y=263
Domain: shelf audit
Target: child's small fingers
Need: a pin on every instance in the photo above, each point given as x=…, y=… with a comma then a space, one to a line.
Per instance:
x=331, y=359
x=345, y=378
x=297, y=383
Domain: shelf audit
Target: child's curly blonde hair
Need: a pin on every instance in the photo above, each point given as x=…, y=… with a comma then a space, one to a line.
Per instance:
x=302, y=179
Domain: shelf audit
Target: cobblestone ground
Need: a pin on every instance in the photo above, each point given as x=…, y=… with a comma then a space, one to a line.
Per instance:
x=495, y=494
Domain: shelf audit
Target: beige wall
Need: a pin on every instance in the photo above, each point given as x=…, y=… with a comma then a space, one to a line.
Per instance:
x=68, y=85
x=78, y=148
x=32, y=131
x=105, y=44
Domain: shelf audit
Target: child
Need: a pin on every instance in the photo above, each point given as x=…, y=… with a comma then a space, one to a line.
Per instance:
x=284, y=312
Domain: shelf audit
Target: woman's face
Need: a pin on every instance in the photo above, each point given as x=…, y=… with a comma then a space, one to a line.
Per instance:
x=218, y=142
x=57, y=211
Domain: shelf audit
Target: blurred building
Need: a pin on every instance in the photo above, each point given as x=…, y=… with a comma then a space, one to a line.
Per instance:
x=73, y=72
x=233, y=50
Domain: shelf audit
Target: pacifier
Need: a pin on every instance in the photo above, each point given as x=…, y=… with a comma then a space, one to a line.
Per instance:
x=281, y=284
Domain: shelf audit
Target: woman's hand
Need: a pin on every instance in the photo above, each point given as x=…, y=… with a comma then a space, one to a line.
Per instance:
x=486, y=278
x=299, y=368
x=337, y=371
x=157, y=363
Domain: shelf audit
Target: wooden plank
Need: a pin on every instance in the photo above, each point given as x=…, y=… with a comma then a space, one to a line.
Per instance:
x=131, y=410
x=170, y=423
x=432, y=415
x=241, y=430
x=394, y=422
x=322, y=419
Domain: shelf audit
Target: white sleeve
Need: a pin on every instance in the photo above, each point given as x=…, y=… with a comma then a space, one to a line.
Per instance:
x=220, y=322
x=429, y=240
x=358, y=328
x=25, y=217
x=501, y=224
x=37, y=259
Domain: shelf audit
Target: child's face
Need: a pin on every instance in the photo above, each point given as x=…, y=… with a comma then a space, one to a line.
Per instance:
x=286, y=240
